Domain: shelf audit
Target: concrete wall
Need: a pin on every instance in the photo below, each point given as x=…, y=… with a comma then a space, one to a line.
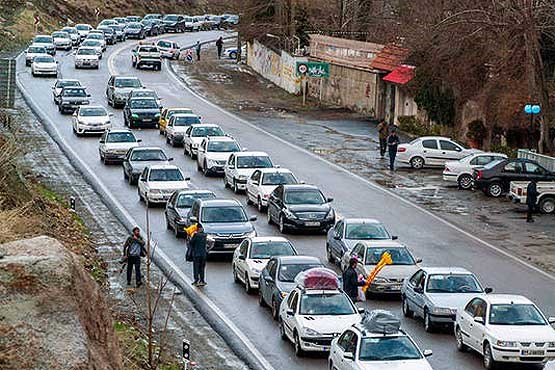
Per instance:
x=404, y=104
x=278, y=68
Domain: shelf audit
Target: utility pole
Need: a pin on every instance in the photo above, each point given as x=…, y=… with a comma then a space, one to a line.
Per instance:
x=148, y=289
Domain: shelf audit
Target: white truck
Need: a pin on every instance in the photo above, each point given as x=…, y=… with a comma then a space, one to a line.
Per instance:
x=546, y=197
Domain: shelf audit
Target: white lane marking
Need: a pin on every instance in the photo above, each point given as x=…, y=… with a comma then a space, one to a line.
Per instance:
x=246, y=341
x=546, y=274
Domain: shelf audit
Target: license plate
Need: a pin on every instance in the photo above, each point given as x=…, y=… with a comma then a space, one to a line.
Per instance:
x=395, y=287
x=312, y=224
x=147, y=120
x=231, y=246
x=531, y=352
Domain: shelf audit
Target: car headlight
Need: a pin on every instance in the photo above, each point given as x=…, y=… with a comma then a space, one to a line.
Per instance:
x=380, y=280
x=311, y=332
x=241, y=177
x=283, y=294
x=135, y=115
x=442, y=311
x=551, y=344
x=157, y=115
x=289, y=214
x=503, y=343
x=211, y=162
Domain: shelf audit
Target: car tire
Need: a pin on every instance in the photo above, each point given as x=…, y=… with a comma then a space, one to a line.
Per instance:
x=226, y=184
x=489, y=362
x=248, y=288
x=417, y=163
x=428, y=323
x=140, y=196
x=269, y=217
x=259, y=205
x=282, y=330
x=281, y=225
x=168, y=225
x=261, y=301
x=459, y=339
x=329, y=255
x=236, y=279
x=233, y=55
x=125, y=177
x=275, y=309
x=178, y=234
x=465, y=182
x=405, y=307
x=495, y=189
x=249, y=201
x=297, y=343
x=205, y=170
x=547, y=205
x=235, y=187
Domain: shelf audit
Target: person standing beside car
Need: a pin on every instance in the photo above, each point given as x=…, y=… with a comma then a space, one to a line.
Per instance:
x=220, y=46
x=133, y=250
x=531, y=199
x=351, y=282
x=197, y=48
x=383, y=130
x=392, y=144
x=198, y=252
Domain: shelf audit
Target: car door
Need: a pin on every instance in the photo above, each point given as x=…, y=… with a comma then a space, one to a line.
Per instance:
x=430, y=152
x=418, y=298
x=350, y=347
x=512, y=171
x=277, y=203
x=477, y=329
x=228, y=166
x=449, y=151
x=143, y=184
x=269, y=281
x=171, y=212
x=102, y=143
x=253, y=184
x=201, y=155
x=240, y=264
x=126, y=165
x=110, y=88
x=410, y=294
x=187, y=139
x=466, y=322
x=534, y=171
x=289, y=320
x=337, y=244
x=344, y=345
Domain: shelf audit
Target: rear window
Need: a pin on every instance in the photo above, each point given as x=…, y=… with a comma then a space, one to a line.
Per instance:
x=164, y=44
x=148, y=49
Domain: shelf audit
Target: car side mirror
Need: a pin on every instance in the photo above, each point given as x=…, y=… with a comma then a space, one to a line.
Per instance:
x=418, y=290
x=349, y=356
x=253, y=218
x=488, y=290
x=142, y=179
x=140, y=140
x=479, y=320
x=241, y=257
x=268, y=279
x=170, y=159
x=88, y=95
x=187, y=179
x=394, y=237
x=337, y=237
x=102, y=141
x=419, y=260
x=193, y=219
x=75, y=114
x=361, y=310
x=551, y=320
x=427, y=353
x=110, y=114
x=290, y=312
x=329, y=200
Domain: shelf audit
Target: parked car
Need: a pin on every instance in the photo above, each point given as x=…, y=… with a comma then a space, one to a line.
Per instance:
x=158, y=182
x=62, y=40
x=135, y=30
x=140, y=157
x=32, y=51
x=168, y=49
x=44, y=65
x=546, y=198
x=91, y=119
x=300, y=207
x=225, y=220
x=495, y=178
x=115, y=143
x=230, y=20
x=150, y=27
x=121, y=20
x=119, y=87
x=167, y=113
x=213, y=153
x=195, y=134
x=505, y=328
x=73, y=34
x=190, y=24
x=252, y=256
x=391, y=277
x=86, y=57
x=347, y=232
x=178, y=207
x=107, y=22
x=83, y=29
x=263, y=182
x=277, y=279
x=436, y=293
x=46, y=41
x=240, y=166
x=174, y=23
x=178, y=125
x=59, y=85
x=461, y=171
x=233, y=51
x=141, y=112
x=431, y=151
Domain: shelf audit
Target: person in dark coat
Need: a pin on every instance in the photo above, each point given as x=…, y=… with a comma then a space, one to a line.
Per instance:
x=531, y=199
x=350, y=280
x=197, y=48
x=220, y=46
x=392, y=144
x=199, y=252
x=383, y=131
x=133, y=250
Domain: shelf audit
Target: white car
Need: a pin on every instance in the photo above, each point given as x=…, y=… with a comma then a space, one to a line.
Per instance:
x=157, y=183
x=195, y=134
x=98, y=36
x=213, y=153
x=44, y=65
x=46, y=42
x=264, y=181
x=190, y=24
x=168, y=49
x=32, y=51
x=377, y=343
x=505, y=328
x=241, y=166
x=178, y=125
x=253, y=254
x=461, y=171
x=87, y=57
x=93, y=44
x=73, y=35
x=115, y=143
x=431, y=151
x=315, y=312
x=91, y=119
x=391, y=277
x=83, y=29
x=62, y=40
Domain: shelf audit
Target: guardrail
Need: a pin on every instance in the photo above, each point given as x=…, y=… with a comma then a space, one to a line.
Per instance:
x=545, y=160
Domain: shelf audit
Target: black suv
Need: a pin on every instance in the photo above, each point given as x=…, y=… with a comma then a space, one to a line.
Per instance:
x=109, y=34
x=226, y=222
x=141, y=112
x=71, y=98
x=300, y=207
x=174, y=23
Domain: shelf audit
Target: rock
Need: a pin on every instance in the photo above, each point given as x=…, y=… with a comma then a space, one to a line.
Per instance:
x=52, y=314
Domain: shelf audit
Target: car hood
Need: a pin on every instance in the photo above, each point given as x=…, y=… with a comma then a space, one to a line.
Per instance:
x=525, y=333
x=257, y=264
x=450, y=300
x=139, y=166
x=45, y=44
x=285, y=286
x=86, y=57
x=309, y=207
x=45, y=65
x=180, y=129
x=120, y=146
x=61, y=39
x=95, y=119
x=168, y=185
x=124, y=90
x=227, y=228
x=332, y=324
x=145, y=111
x=183, y=212
x=421, y=364
x=394, y=271
x=216, y=156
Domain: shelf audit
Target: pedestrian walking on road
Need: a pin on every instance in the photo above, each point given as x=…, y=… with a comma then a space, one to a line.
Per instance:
x=198, y=251
x=383, y=131
x=133, y=250
x=531, y=199
x=197, y=48
x=220, y=46
x=392, y=143
x=350, y=280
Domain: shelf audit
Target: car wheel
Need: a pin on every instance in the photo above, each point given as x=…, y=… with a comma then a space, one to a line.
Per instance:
x=226, y=184
x=161, y=132
x=233, y=55
x=269, y=217
x=199, y=168
x=140, y=196
x=248, y=288
x=465, y=182
x=298, y=349
x=261, y=301
x=130, y=180
x=495, y=189
x=428, y=324
x=235, y=276
x=547, y=205
x=249, y=201
x=178, y=234
x=460, y=342
x=168, y=225
x=235, y=187
x=406, y=309
x=275, y=309
x=282, y=330
x=282, y=227
x=259, y=205
x=329, y=254
x=489, y=362
x=125, y=177
x=205, y=170
x=417, y=163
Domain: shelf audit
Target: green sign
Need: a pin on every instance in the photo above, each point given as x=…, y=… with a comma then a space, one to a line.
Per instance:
x=313, y=69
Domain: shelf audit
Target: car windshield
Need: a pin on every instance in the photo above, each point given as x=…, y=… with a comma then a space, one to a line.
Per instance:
x=288, y=272
x=144, y=94
x=74, y=92
x=366, y=231
x=254, y=162
x=166, y=174
x=92, y=112
x=207, y=131
x=388, y=349
x=63, y=35
x=187, y=200
x=66, y=83
x=453, y=283
x=179, y=111
x=90, y=43
x=134, y=25
x=309, y=196
x=266, y=250
x=86, y=52
x=82, y=27
x=70, y=30
x=120, y=137
x=515, y=314
x=143, y=104
x=43, y=40
x=186, y=121
x=223, y=214
x=128, y=82
x=95, y=36
x=223, y=146
x=326, y=304
x=148, y=49
x=36, y=49
x=493, y=164
x=400, y=256
x=278, y=178
x=43, y=59
x=148, y=155
x=164, y=44
x=171, y=18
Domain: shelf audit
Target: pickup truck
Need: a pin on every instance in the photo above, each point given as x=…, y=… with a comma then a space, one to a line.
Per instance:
x=546, y=197
x=146, y=55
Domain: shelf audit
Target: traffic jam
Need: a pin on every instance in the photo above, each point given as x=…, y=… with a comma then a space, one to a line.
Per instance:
x=317, y=309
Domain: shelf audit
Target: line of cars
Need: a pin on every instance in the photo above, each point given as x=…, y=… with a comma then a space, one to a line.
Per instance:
x=312, y=317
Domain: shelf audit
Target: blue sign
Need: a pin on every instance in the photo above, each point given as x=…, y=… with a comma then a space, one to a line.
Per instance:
x=532, y=109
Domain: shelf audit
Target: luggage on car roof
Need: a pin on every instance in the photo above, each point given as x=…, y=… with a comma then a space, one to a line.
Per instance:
x=381, y=321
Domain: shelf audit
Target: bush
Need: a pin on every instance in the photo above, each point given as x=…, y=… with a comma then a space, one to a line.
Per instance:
x=411, y=125
x=476, y=130
x=511, y=152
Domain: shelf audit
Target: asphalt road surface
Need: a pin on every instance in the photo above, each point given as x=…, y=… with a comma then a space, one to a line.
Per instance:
x=435, y=241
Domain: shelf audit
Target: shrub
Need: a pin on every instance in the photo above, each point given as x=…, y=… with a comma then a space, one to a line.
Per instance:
x=412, y=125
x=498, y=148
x=476, y=130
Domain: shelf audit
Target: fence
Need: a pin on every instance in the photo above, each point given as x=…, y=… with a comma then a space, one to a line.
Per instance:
x=544, y=160
x=7, y=83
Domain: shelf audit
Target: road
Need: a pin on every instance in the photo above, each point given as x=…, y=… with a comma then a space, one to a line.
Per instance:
x=426, y=234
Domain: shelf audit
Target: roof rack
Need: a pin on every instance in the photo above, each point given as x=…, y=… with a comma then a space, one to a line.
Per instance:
x=381, y=322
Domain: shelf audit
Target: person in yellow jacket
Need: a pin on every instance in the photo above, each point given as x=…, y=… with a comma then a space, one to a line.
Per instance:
x=191, y=230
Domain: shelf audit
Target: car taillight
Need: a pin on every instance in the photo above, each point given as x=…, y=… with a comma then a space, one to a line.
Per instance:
x=478, y=174
x=401, y=149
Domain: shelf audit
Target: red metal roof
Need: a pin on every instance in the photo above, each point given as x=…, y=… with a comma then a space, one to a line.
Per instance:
x=390, y=57
x=401, y=75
